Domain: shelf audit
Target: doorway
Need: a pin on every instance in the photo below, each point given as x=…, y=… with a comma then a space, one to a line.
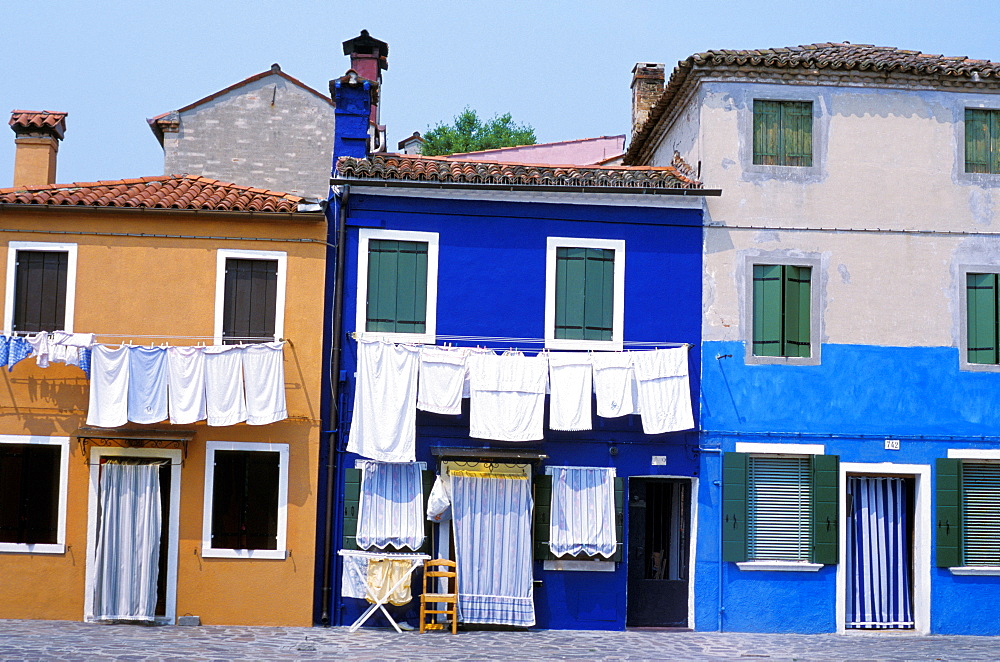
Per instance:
x=659, y=544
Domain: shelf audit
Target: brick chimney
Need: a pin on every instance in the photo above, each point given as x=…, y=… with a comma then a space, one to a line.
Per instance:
x=368, y=59
x=37, y=142
x=647, y=86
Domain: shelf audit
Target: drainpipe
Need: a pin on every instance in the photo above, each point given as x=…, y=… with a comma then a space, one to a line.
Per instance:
x=722, y=565
x=335, y=352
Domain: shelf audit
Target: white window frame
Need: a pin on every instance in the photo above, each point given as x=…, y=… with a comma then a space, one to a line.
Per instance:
x=974, y=454
x=207, y=551
x=59, y=546
x=618, y=313
x=12, y=249
x=365, y=235
x=222, y=255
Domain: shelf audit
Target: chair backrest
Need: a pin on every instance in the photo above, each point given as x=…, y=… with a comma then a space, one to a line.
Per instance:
x=436, y=568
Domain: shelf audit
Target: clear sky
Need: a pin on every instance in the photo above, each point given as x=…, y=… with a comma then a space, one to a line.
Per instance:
x=561, y=66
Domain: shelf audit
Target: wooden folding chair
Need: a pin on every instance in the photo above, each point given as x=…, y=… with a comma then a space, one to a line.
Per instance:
x=434, y=570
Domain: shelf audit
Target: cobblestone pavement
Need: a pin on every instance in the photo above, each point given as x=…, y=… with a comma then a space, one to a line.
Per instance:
x=61, y=640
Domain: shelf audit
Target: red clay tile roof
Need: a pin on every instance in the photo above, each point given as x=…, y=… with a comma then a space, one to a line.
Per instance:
x=438, y=169
x=39, y=119
x=816, y=58
x=162, y=192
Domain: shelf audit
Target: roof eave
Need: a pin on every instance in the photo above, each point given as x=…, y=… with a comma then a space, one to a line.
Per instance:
x=540, y=188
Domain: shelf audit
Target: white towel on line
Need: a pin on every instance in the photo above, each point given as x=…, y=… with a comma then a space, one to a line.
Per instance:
x=147, y=387
x=508, y=397
x=264, y=381
x=384, y=422
x=441, y=380
x=224, y=395
x=186, y=380
x=109, y=381
x=664, y=391
x=571, y=387
x=614, y=384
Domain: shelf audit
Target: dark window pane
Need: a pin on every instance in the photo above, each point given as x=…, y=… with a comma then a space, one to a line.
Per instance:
x=250, y=301
x=29, y=493
x=40, y=291
x=245, y=500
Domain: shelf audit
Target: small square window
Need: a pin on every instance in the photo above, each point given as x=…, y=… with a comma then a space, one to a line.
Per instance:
x=782, y=303
x=40, y=287
x=981, y=318
x=782, y=133
x=250, y=296
x=32, y=494
x=585, y=290
x=982, y=140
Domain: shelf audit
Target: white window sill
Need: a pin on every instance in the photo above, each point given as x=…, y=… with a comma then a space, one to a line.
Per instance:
x=584, y=345
x=38, y=548
x=977, y=570
x=278, y=554
x=412, y=338
x=780, y=566
x=579, y=566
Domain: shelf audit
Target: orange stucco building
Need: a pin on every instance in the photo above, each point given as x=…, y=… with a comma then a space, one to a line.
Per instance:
x=153, y=262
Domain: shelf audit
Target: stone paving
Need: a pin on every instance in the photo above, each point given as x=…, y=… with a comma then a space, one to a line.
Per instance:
x=61, y=640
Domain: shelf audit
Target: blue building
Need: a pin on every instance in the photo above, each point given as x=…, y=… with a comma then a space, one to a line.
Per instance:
x=557, y=264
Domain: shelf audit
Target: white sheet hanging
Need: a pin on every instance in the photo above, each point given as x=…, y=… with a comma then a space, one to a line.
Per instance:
x=264, y=382
x=508, y=397
x=571, y=385
x=384, y=423
x=614, y=384
x=108, y=407
x=583, y=511
x=441, y=380
x=147, y=387
x=664, y=390
x=390, y=510
x=186, y=380
x=224, y=396
x=40, y=348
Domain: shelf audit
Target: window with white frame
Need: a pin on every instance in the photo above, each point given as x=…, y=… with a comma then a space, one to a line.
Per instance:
x=397, y=285
x=33, y=475
x=41, y=286
x=584, y=293
x=246, y=500
x=250, y=296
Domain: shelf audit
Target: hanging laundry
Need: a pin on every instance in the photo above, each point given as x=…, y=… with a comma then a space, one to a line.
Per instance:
x=86, y=354
x=384, y=423
x=70, y=348
x=614, y=384
x=664, y=393
x=508, y=397
x=186, y=380
x=109, y=387
x=4, y=350
x=571, y=385
x=354, y=581
x=383, y=574
x=442, y=378
x=224, y=395
x=264, y=382
x=40, y=348
x=147, y=387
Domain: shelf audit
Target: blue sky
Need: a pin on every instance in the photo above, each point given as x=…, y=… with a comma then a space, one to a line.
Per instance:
x=563, y=67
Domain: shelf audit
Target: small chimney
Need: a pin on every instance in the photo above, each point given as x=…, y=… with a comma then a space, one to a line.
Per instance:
x=37, y=142
x=368, y=59
x=411, y=145
x=647, y=86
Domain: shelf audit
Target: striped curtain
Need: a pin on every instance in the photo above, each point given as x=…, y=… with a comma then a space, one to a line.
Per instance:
x=878, y=554
x=583, y=511
x=492, y=517
x=128, y=542
x=390, y=511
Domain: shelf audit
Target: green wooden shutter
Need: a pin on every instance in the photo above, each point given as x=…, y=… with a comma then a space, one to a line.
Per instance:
x=352, y=497
x=766, y=132
x=397, y=286
x=949, y=512
x=598, y=302
x=584, y=297
x=796, y=133
x=796, y=307
x=619, y=555
x=428, y=477
x=767, y=310
x=825, y=507
x=734, y=507
x=981, y=318
x=977, y=140
x=543, y=514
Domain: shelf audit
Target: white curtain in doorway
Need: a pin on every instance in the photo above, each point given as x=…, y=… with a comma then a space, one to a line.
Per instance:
x=128, y=542
x=878, y=554
x=492, y=517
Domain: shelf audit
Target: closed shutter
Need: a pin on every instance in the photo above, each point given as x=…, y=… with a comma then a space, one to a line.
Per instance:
x=981, y=318
x=981, y=513
x=948, y=480
x=397, y=286
x=352, y=497
x=778, y=509
x=584, y=299
x=796, y=132
x=825, y=508
x=796, y=310
x=734, y=507
x=428, y=477
x=766, y=132
x=767, y=304
x=619, y=554
x=543, y=517
x=250, y=306
x=40, y=291
x=981, y=148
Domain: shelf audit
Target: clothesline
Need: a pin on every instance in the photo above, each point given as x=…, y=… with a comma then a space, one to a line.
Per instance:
x=25, y=334
x=504, y=340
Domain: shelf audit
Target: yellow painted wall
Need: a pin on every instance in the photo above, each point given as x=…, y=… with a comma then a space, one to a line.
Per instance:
x=166, y=286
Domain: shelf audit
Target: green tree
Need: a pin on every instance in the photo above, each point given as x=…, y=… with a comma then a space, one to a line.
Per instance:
x=468, y=133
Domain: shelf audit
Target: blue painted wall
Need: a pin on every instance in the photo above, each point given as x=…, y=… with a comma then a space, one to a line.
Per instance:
x=491, y=282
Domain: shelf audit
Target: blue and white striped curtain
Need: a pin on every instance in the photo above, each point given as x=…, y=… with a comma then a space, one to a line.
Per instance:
x=583, y=511
x=878, y=555
x=390, y=511
x=128, y=542
x=492, y=518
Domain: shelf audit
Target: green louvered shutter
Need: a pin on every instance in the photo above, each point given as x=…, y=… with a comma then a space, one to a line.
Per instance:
x=767, y=305
x=543, y=514
x=796, y=132
x=766, y=132
x=981, y=318
x=734, y=507
x=619, y=555
x=980, y=514
x=397, y=286
x=584, y=293
x=825, y=508
x=796, y=310
x=352, y=497
x=978, y=157
x=949, y=512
